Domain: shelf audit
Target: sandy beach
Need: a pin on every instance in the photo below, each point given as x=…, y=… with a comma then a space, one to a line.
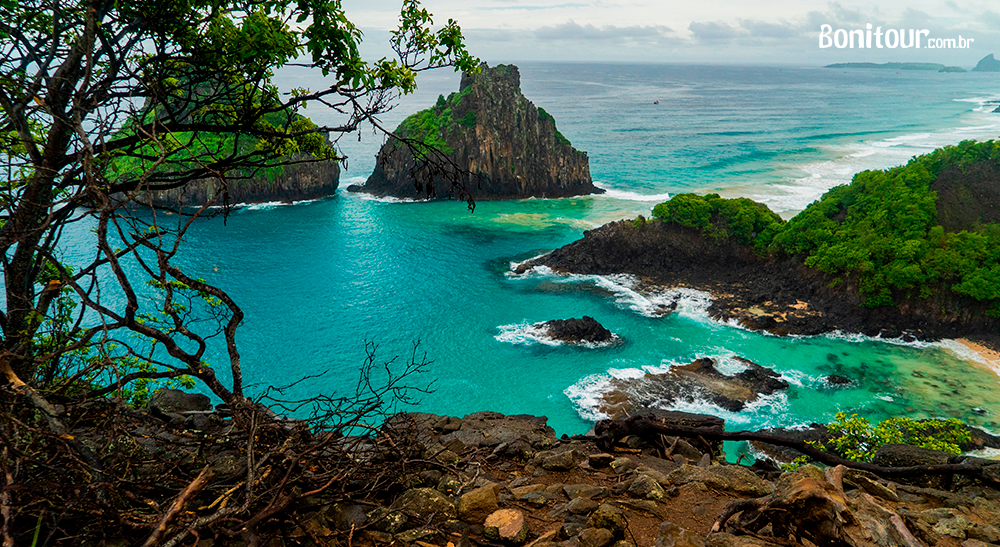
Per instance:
x=987, y=356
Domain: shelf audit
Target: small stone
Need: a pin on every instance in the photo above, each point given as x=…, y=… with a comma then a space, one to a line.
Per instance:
x=474, y=506
x=507, y=525
x=378, y=537
x=570, y=529
x=448, y=424
x=581, y=506
x=645, y=487
x=956, y=527
x=610, y=517
x=595, y=537
x=424, y=504
x=384, y=520
x=585, y=491
x=344, y=516
x=974, y=543
x=449, y=485
x=535, y=499
x=603, y=459
x=987, y=533
x=564, y=461
x=671, y=535
x=622, y=465
x=522, y=490
x=411, y=536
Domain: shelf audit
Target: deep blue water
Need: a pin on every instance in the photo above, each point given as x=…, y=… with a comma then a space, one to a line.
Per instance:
x=316, y=280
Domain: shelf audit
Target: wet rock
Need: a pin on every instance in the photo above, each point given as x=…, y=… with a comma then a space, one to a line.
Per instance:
x=354, y=188
x=671, y=535
x=609, y=517
x=425, y=504
x=697, y=381
x=838, y=381
x=576, y=331
x=595, y=537
x=506, y=525
x=476, y=505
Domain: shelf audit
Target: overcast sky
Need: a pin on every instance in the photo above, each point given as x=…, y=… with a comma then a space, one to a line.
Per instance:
x=714, y=31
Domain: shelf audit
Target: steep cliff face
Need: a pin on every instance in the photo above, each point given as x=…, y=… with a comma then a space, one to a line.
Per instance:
x=497, y=143
x=311, y=180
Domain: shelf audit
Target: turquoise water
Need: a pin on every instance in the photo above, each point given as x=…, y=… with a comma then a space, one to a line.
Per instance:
x=316, y=280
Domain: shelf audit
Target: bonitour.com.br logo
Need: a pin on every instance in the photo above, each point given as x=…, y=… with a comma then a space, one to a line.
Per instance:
x=891, y=38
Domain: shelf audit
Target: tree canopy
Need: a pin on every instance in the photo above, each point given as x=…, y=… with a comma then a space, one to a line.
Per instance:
x=880, y=233
x=101, y=101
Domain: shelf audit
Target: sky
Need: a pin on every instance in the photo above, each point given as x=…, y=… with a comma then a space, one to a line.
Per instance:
x=775, y=32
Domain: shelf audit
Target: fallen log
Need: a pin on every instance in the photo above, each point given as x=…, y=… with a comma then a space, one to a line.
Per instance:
x=650, y=426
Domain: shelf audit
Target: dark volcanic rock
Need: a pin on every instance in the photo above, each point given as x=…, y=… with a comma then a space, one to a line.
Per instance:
x=297, y=182
x=698, y=380
x=780, y=295
x=576, y=331
x=987, y=64
x=489, y=129
x=838, y=380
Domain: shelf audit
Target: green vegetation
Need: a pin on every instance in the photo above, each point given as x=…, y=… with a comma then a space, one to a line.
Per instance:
x=880, y=232
x=430, y=127
x=858, y=440
x=741, y=219
x=543, y=116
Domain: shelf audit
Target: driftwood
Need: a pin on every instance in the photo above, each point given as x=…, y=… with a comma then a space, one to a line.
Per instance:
x=650, y=426
x=813, y=507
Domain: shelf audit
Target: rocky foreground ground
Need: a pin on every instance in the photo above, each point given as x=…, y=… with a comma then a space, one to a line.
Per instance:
x=489, y=479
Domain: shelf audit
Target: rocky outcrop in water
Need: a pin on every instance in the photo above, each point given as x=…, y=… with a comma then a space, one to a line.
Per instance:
x=577, y=331
x=495, y=142
x=296, y=182
x=697, y=381
x=987, y=64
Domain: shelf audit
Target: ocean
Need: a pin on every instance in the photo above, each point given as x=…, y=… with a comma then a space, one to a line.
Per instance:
x=319, y=280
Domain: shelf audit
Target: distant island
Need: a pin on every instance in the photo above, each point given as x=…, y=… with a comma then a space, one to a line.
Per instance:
x=987, y=64
x=901, y=66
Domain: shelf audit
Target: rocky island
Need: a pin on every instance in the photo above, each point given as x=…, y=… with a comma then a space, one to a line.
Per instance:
x=309, y=179
x=909, y=251
x=987, y=64
x=493, y=144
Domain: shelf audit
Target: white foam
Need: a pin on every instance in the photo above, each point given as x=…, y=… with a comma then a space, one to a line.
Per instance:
x=625, y=195
x=816, y=178
x=691, y=303
x=512, y=272
x=527, y=334
x=586, y=395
